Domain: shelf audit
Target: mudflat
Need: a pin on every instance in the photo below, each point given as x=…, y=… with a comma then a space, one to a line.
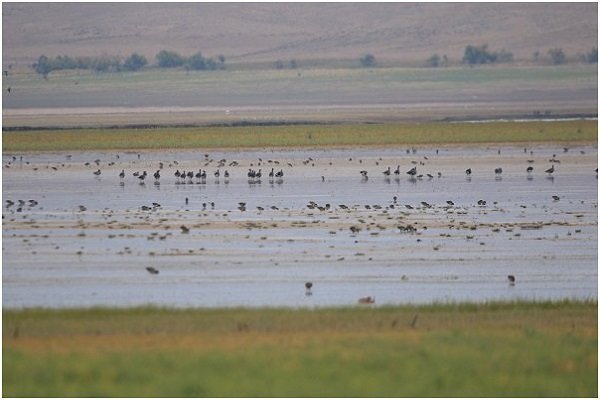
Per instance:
x=81, y=239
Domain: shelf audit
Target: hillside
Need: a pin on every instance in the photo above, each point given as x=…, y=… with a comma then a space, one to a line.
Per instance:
x=265, y=32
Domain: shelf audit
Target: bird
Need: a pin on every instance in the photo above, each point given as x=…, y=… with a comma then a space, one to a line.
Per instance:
x=184, y=229
x=122, y=174
x=97, y=172
x=450, y=203
x=412, y=171
x=387, y=172
x=529, y=169
x=556, y=198
x=217, y=174
x=511, y=280
x=157, y=175
x=366, y=300
x=468, y=171
x=364, y=174
x=152, y=270
x=397, y=170
x=550, y=170
x=308, y=286
x=279, y=174
x=498, y=170
x=226, y=174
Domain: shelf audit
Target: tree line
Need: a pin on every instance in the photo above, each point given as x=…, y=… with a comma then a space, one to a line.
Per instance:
x=474, y=55
x=135, y=62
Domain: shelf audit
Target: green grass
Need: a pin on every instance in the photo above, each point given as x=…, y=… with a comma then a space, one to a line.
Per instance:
x=300, y=136
x=497, y=349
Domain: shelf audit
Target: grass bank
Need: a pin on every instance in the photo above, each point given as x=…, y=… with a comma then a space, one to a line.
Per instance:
x=518, y=349
x=299, y=136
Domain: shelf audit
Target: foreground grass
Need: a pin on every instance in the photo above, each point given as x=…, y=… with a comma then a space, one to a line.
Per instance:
x=497, y=349
x=300, y=136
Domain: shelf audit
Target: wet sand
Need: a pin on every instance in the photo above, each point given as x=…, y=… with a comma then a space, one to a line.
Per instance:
x=87, y=239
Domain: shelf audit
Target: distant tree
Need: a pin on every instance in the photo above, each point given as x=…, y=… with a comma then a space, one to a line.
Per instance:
x=434, y=61
x=197, y=61
x=106, y=64
x=211, y=64
x=478, y=55
x=592, y=56
x=557, y=55
x=368, y=60
x=134, y=62
x=43, y=66
x=169, y=59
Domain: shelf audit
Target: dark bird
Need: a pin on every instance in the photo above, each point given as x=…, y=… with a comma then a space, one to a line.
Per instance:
x=498, y=170
x=177, y=174
x=397, y=170
x=529, y=169
x=511, y=279
x=184, y=229
x=152, y=270
x=122, y=174
x=412, y=171
x=217, y=174
x=8, y=89
x=308, y=286
x=97, y=172
x=481, y=202
x=387, y=172
x=157, y=175
x=550, y=170
x=279, y=174
x=366, y=300
x=450, y=203
x=468, y=171
x=556, y=198
x=364, y=174
x=272, y=173
x=226, y=174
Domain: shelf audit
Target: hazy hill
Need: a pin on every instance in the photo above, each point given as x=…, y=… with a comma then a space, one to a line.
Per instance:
x=253, y=32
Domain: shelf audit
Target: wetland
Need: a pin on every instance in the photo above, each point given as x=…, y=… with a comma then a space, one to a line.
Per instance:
x=72, y=238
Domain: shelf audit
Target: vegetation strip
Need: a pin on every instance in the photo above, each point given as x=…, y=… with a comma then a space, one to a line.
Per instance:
x=511, y=349
x=300, y=136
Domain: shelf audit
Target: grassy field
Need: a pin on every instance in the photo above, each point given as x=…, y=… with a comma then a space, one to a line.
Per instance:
x=300, y=136
x=496, y=349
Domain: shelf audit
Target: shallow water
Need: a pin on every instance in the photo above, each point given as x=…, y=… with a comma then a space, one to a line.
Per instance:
x=56, y=254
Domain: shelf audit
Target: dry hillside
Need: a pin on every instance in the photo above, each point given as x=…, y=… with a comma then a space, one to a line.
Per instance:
x=264, y=32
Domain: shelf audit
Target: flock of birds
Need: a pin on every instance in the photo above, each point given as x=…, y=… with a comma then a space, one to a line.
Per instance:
x=255, y=175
